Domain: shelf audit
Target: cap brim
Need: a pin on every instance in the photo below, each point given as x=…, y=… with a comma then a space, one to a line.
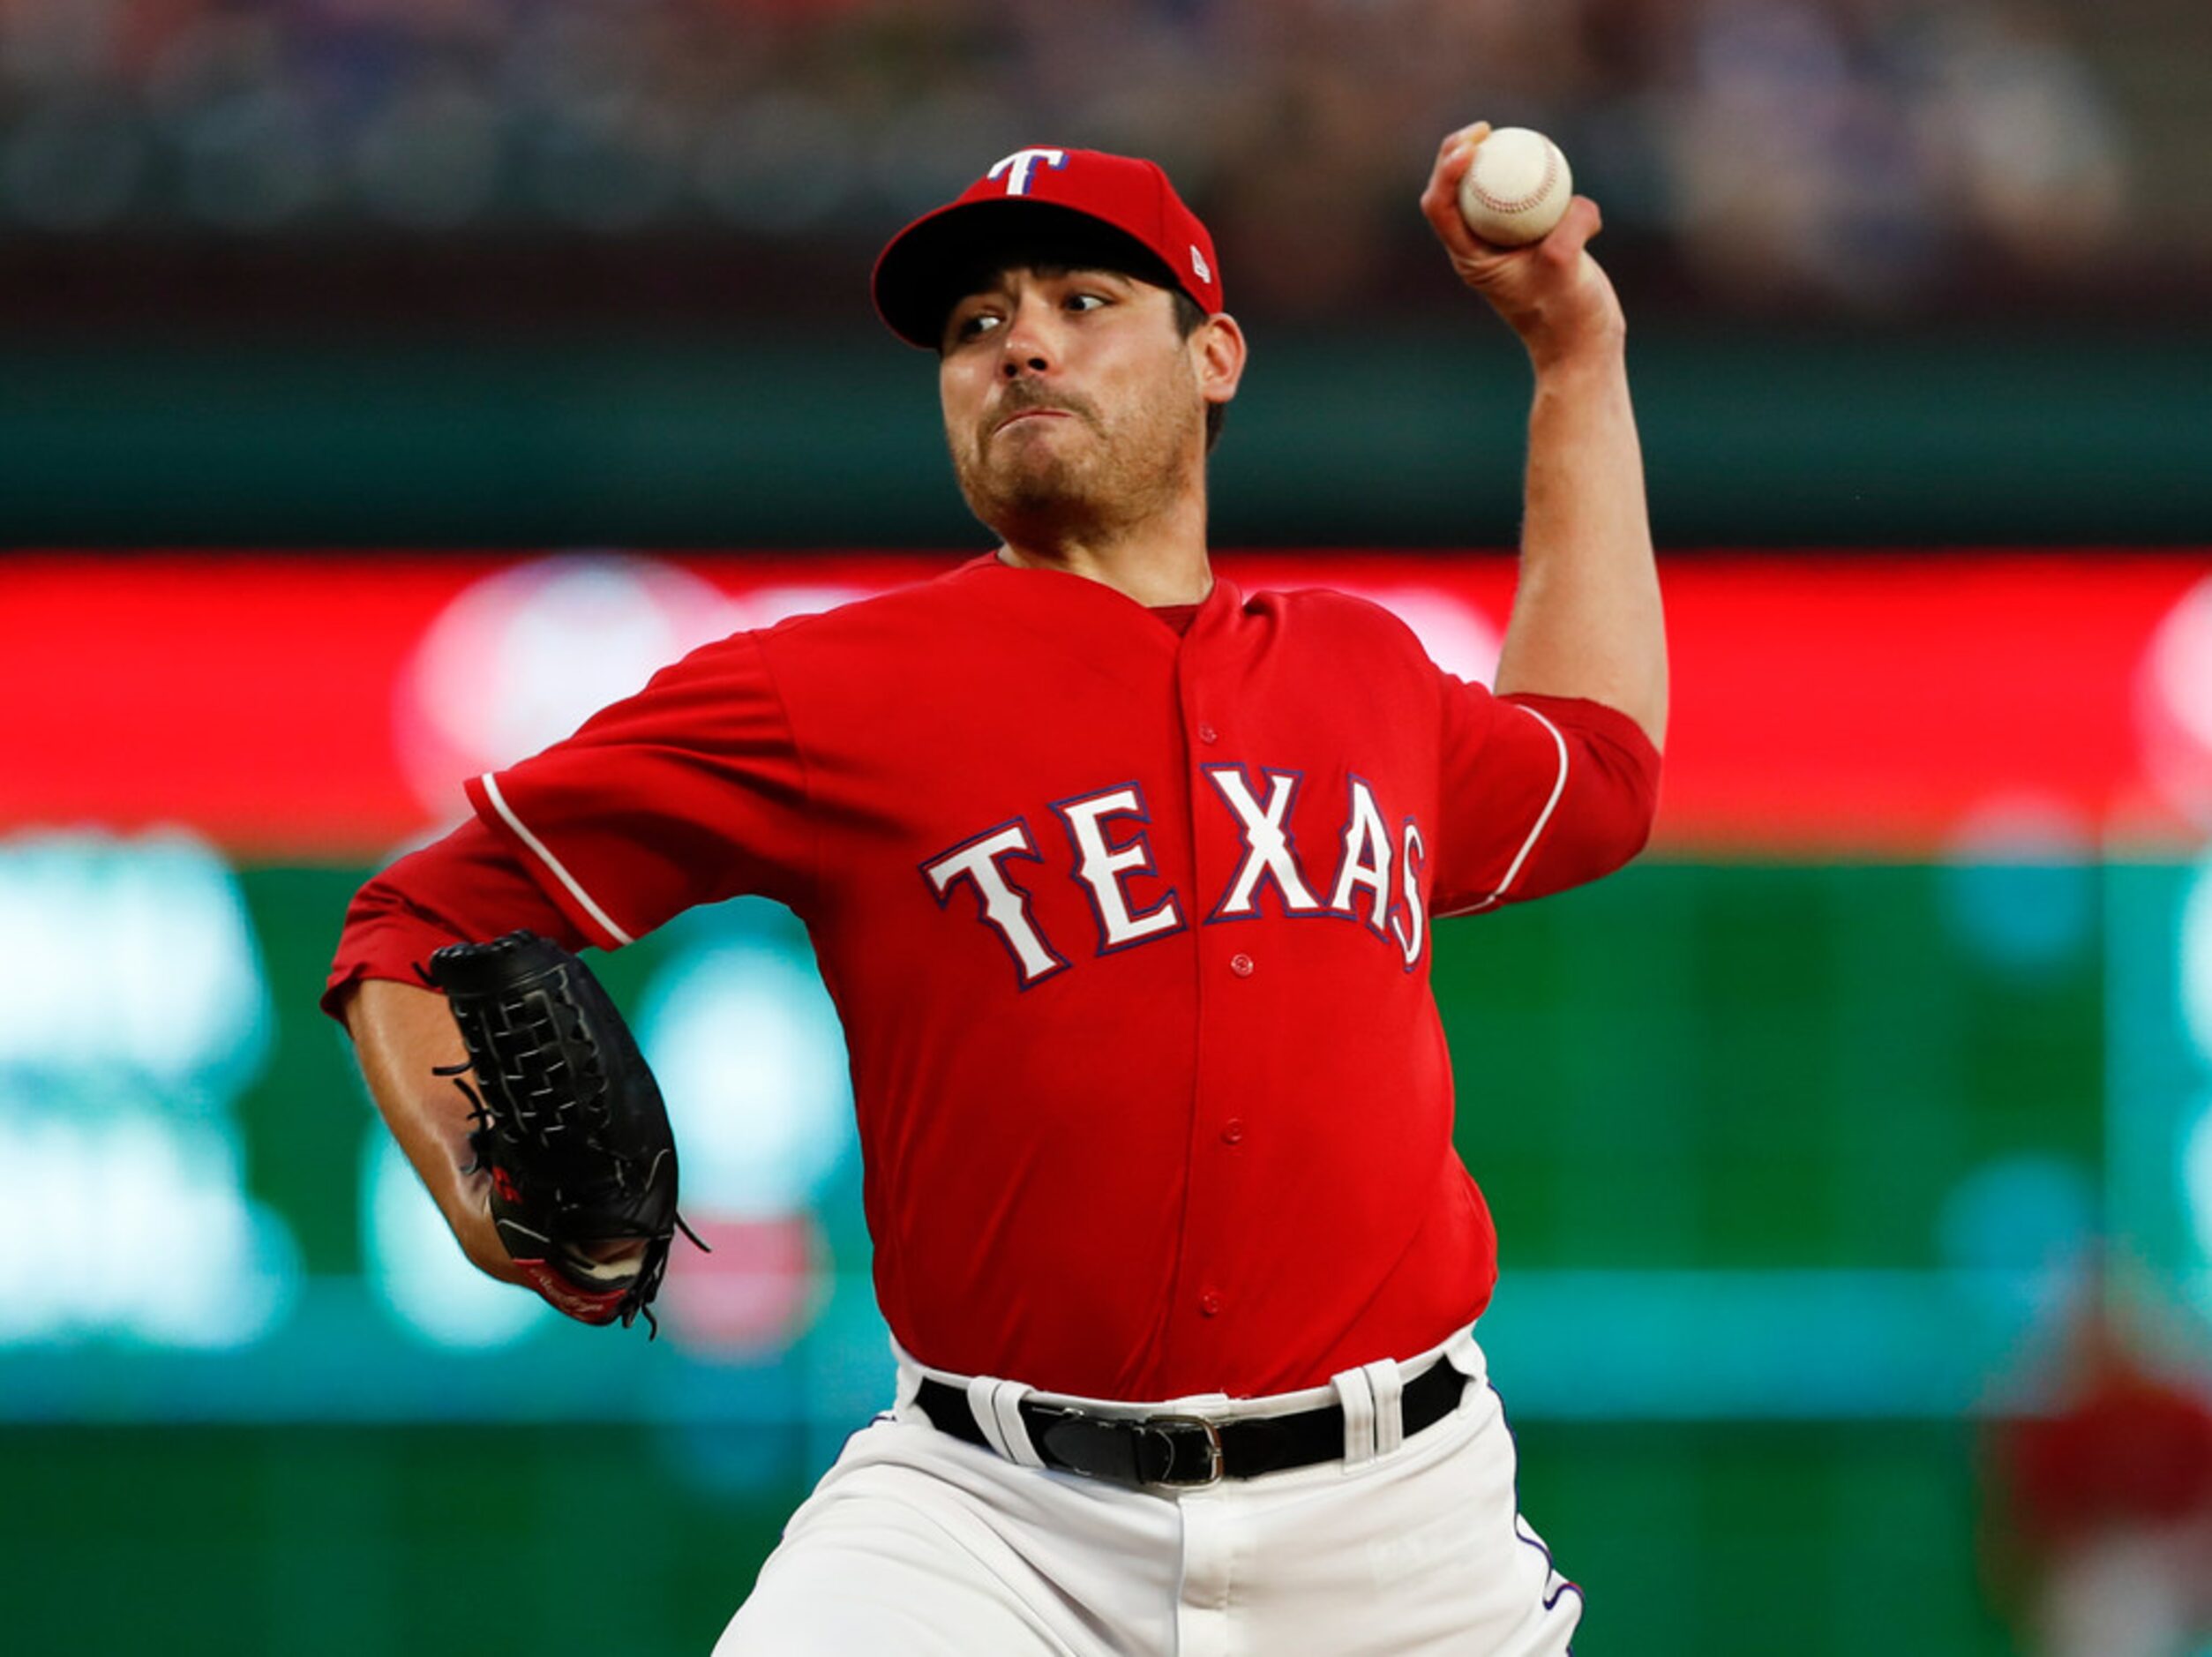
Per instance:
x=926, y=267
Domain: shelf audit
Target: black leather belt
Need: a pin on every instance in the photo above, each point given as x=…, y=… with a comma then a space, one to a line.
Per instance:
x=1189, y=1450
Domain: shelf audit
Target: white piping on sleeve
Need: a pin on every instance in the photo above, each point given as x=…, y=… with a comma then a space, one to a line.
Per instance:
x=1528, y=846
x=538, y=848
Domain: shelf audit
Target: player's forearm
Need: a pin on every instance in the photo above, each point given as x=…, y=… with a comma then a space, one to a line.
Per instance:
x=1586, y=620
x=402, y=1034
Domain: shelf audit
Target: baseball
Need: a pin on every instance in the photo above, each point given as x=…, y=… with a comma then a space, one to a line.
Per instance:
x=1517, y=187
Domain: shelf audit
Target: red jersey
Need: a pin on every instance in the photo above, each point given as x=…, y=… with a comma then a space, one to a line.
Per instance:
x=1129, y=932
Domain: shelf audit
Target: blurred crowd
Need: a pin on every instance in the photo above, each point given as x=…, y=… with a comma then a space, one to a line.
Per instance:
x=1855, y=153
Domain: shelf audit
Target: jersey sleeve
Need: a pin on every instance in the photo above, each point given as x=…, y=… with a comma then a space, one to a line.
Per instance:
x=1539, y=793
x=466, y=886
x=689, y=793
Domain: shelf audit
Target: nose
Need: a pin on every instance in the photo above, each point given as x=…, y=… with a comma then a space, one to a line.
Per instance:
x=1027, y=346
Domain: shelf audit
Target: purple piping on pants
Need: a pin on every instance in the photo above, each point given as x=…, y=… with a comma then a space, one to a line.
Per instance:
x=1529, y=1538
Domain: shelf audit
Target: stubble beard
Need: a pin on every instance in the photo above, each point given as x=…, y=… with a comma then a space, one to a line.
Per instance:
x=1036, y=487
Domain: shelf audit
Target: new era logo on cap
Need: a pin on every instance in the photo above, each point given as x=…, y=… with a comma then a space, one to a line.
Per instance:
x=1025, y=192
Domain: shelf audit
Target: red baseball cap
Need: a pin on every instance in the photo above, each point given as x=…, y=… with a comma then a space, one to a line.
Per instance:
x=1029, y=192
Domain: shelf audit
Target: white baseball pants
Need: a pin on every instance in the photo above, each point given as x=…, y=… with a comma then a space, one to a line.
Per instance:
x=917, y=1543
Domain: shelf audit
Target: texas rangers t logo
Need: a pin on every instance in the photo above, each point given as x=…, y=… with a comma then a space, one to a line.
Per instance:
x=1018, y=167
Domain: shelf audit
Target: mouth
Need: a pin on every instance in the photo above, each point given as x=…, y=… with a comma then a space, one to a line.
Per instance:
x=1020, y=415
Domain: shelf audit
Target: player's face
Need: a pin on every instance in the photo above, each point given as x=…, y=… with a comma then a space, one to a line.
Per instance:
x=1071, y=400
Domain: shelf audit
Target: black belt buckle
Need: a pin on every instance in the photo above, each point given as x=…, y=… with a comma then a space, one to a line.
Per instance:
x=1176, y=1432
x=1139, y=1452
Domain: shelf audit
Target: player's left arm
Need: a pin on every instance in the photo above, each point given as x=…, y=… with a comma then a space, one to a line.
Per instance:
x=1586, y=620
x=463, y=887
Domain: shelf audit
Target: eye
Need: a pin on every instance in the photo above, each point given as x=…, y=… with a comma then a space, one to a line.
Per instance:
x=967, y=325
x=1087, y=302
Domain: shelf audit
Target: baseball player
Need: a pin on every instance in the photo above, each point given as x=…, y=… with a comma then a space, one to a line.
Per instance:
x=1124, y=882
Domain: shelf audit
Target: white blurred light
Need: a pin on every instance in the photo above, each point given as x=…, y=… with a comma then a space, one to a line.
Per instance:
x=418, y=1272
x=129, y=954
x=128, y=1223
x=2174, y=705
x=1458, y=638
x=752, y=1059
x=521, y=658
x=765, y=606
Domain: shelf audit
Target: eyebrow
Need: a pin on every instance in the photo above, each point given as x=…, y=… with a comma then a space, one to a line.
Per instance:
x=991, y=280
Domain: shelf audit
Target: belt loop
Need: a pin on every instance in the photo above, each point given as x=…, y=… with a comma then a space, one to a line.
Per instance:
x=1464, y=1355
x=1356, y=1395
x=1387, y=1386
x=997, y=1407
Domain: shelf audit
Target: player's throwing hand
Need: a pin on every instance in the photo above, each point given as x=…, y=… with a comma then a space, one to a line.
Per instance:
x=1551, y=292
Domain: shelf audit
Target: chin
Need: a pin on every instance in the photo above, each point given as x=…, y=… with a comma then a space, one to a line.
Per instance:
x=1029, y=492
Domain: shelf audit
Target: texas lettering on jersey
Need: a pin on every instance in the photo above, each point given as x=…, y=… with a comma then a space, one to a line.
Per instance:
x=1376, y=878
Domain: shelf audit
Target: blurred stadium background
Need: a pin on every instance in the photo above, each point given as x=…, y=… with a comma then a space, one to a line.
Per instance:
x=385, y=383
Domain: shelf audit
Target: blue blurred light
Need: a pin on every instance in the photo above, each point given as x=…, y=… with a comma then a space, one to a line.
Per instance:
x=418, y=1272
x=2020, y=891
x=2020, y=1213
x=752, y=1058
x=133, y=1012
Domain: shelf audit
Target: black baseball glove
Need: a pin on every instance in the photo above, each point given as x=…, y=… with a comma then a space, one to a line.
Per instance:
x=569, y=1123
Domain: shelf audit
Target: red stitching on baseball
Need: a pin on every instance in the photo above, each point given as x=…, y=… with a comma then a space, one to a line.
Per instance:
x=1499, y=204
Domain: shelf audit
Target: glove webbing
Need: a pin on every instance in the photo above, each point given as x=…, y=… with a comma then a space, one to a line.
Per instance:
x=530, y=1041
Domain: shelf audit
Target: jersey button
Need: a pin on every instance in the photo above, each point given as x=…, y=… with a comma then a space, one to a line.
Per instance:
x=1207, y=733
x=1241, y=964
x=1231, y=1131
x=1209, y=1303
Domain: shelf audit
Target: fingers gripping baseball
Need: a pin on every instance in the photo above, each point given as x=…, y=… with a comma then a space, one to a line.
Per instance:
x=1551, y=292
x=1440, y=202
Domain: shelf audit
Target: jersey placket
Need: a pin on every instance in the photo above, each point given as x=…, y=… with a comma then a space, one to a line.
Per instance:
x=1223, y=967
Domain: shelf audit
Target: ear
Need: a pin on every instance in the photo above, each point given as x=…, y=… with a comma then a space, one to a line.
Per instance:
x=1218, y=348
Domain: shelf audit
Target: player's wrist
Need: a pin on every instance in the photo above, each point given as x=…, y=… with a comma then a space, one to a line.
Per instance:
x=1594, y=353
x=468, y=1208
x=487, y=1254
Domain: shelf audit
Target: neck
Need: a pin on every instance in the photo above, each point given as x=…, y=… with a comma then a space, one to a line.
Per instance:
x=1159, y=560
